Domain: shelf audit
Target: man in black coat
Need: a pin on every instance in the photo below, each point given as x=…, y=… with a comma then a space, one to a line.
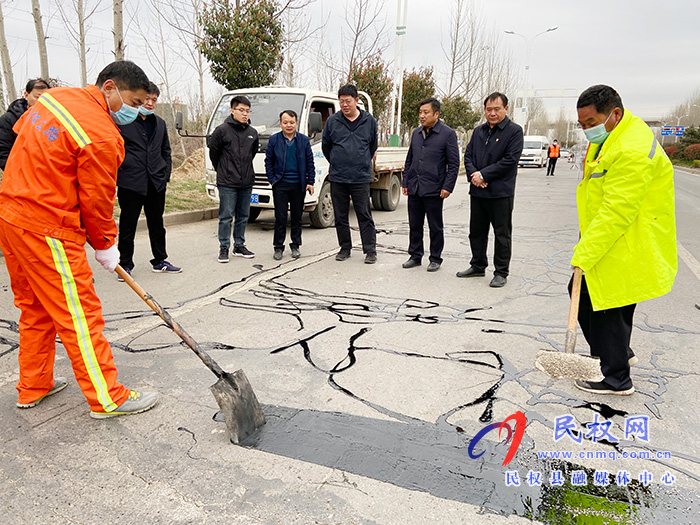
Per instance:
x=491, y=160
x=429, y=178
x=141, y=183
x=32, y=92
x=232, y=147
x=349, y=143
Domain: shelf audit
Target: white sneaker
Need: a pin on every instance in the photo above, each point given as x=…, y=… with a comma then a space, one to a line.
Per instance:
x=136, y=403
x=59, y=383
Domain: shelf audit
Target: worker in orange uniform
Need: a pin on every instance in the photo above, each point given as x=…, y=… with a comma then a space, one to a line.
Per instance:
x=553, y=157
x=58, y=192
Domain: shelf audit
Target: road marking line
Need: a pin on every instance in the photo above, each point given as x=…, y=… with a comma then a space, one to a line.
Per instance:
x=689, y=260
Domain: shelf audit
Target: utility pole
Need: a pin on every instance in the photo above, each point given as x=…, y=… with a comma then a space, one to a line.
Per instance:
x=395, y=125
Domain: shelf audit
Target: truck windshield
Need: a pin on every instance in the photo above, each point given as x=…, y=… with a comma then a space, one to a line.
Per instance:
x=532, y=145
x=265, y=110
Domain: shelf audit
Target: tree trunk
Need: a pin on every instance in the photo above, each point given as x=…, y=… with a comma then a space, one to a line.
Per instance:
x=6, y=62
x=81, y=43
x=41, y=40
x=118, y=31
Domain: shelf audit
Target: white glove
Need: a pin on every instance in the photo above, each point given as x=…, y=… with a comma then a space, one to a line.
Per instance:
x=108, y=258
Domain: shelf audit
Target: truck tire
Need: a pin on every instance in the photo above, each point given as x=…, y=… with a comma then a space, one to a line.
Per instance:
x=322, y=216
x=376, y=196
x=254, y=214
x=390, y=198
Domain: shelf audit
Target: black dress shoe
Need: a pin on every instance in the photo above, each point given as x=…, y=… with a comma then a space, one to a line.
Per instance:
x=342, y=255
x=370, y=258
x=498, y=281
x=433, y=266
x=471, y=272
x=601, y=387
x=411, y=263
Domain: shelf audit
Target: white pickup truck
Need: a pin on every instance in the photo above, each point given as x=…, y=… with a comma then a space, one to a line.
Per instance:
x=313, y=108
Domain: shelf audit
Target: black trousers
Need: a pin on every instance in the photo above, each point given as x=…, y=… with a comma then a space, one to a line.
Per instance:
x=341, y=193
x=131, y=203
x=483, y=214
x=551, y=165
x=290, y=196
x=418, y=208
x=608, y=333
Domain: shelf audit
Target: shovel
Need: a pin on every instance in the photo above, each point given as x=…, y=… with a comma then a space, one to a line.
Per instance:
x=567, y=364
x=232, y=392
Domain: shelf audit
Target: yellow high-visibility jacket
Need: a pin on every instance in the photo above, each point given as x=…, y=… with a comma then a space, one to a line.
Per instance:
x=627, y=218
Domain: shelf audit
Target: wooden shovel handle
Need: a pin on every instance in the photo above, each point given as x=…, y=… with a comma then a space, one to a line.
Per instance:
x=172, y=323
x=570, y=341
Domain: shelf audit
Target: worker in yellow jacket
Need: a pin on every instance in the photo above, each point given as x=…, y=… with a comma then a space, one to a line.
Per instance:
x=627, y=247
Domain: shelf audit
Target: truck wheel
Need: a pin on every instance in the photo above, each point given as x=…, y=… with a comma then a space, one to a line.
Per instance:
x=376, y=196
x=390, y=198
x=322, y=216
x=254, y=214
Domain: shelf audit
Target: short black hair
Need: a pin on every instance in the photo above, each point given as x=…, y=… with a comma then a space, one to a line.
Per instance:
x=39, y=83
x=291, y=113
x=153, y=89
x=435, y=103
x=348, y=90
x=495, y=95
x=602, y=97
x=125, y=74
x=240, y=99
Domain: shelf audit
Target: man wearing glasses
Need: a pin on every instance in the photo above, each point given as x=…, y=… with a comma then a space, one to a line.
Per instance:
x=232, y=147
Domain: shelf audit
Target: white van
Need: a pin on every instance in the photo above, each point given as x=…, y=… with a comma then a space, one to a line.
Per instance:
x=535, y=151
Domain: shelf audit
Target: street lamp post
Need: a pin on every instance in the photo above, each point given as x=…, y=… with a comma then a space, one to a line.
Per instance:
x=528, y=42
x=678, y=123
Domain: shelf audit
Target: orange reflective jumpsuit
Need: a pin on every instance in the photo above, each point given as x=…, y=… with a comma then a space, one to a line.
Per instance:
x=58, y=192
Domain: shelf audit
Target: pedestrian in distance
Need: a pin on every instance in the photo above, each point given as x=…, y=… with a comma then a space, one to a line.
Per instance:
x=232, y=147
x=430, y=174
x=627, y=244
x=553, y=157
x=289, y=165
x=58, y=192
x=349, y=143
x=491, y=160
x=142, y=182
x=32, y=92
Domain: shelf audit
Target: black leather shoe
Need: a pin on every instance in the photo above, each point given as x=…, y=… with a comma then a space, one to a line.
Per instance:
x=433, y=266
x=411, y=263
x=471, y=272
x=498, y=281
x=601, y=387
x=342, y=255
x=370, y=258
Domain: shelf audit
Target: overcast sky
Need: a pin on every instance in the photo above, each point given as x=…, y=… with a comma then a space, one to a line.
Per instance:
x=648, y=50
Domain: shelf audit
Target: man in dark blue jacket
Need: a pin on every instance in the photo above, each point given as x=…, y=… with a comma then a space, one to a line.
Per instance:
x=141, y=183
x=491, y=160
x=32, y=93
x=349, y=143
x=429, y=177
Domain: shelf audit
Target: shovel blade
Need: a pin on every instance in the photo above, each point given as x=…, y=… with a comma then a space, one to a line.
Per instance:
x=568, y=366
x=238, y=404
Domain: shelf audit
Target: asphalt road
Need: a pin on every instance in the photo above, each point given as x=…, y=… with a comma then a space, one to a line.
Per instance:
x=374, y=380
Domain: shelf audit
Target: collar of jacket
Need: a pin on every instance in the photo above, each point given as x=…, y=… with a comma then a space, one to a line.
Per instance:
x=238, y=125
x=99, y=97
x=435, y=128
x=18, y=107
x=612, y=138
x=502, y=124
x=360, y=118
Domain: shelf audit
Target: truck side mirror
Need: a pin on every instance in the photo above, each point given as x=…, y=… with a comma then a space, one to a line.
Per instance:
x=315, y=123
x=178, y=120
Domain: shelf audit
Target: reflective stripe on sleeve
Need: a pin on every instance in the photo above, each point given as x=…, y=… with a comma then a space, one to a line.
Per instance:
x=80, y=325
x=653, y=149
x=62, y=114
x=599, y=174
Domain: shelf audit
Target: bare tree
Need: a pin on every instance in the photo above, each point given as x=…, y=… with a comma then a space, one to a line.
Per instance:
x=40, y=39
x=6, y=62
x=299, y=40
x=365, y=32
x=458, y=49
x=77, y=28
x=118, y=30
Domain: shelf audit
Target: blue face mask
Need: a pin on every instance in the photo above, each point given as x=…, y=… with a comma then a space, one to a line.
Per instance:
x=126, y=113
x=598, y=134
x=145, y=112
